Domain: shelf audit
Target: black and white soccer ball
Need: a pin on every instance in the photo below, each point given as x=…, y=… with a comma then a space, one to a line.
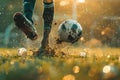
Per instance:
x=69, y=31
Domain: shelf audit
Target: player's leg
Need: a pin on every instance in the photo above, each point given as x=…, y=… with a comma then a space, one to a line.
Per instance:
x=28, y=8
x=48, y=15
x=24, y=21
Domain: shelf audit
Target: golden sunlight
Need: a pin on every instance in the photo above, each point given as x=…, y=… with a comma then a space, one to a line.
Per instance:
x=81, y=1
x=64, y=3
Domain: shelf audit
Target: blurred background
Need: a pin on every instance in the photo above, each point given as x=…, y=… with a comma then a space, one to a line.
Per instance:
x=100, y=20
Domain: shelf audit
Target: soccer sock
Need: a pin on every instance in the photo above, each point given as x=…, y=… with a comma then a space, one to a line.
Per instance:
x=28, y=9
x=48, y=18
x=48, y=15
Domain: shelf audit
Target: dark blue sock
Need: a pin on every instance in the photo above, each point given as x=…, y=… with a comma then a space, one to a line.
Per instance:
x=28, y=9
x=48, y=15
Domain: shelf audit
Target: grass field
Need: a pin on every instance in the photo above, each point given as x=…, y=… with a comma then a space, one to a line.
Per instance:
x=97, y=64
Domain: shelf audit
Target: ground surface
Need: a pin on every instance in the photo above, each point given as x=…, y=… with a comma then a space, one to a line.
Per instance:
x=97, y=64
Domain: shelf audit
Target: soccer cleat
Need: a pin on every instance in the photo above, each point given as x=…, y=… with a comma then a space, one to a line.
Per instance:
x=48, y=52
x=44, y=44
x=25, y=25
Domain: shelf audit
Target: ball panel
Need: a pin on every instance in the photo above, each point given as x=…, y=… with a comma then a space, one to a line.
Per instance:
x=63, y=27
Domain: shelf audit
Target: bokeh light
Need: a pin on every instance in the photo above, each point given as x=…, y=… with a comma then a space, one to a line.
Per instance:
x=10, y=7
x=108, y=56
x=102, y=33
x=82, y=38
x=83, y=54
x=81, y=1
x=76, y=69
x=64, y=3
x=12, y=62
x=106, y=69
x=110, y=72
x=69, y=77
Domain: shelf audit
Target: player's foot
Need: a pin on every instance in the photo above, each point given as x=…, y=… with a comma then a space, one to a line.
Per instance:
x=25, y=25
x=45, y=49
x=48, y=52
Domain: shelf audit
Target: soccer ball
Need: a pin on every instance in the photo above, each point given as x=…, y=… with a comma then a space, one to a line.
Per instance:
x=69, y=31
x=22, y=52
